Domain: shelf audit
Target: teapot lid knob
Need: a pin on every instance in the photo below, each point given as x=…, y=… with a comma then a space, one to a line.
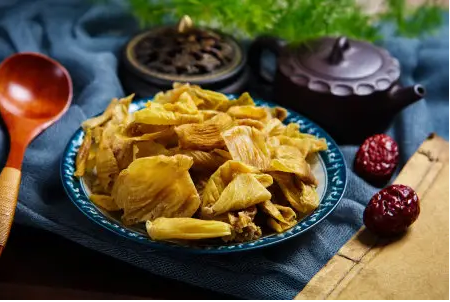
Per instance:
x=337, y=52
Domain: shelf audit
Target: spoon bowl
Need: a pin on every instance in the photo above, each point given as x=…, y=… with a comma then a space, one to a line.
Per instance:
x=25, y=86
x=35, y=91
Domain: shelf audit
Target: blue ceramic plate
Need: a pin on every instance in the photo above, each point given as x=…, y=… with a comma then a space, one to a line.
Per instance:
x=328, y=167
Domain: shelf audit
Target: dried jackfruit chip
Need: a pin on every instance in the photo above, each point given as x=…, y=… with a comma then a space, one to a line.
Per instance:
x=178, y=204
x=315, y=144
x=148, y=174
x=287, y=212
x=106, y=164
x=211, y=99
x=204, y=160
x=91, y=160
x=249, y=122
x=126, y=101
x=223, y=153
x=171, y=96
x=302, y=197
x=274, y=127
x=269, y=208
x=156, y=114
x=138, y=129
x=292, y=130
x=274, y=113
x=242, y=192
x=165, y=133
x=265, y=179
x=122, y=145
x=244, y=228
x=279, y=212
x=303, y=146
x=104, y=201
x=243, y=224
x=289, y=159
x=273, y=142
x=279, y=113
x=117, y=111
x=101, y=119
x=248, y=145
x=205, y=136
x=83, y=154
x=247, y=112
x=221, y=178
x=148, y=148
x=207, y=114
x=185, y=105
x=244, y=99
x=123, y=151
x=97, y=134
x=179, y=199
x=186, y=228
x=126, y=149
x=157, y=186
x=120, y=111
x=279, y=226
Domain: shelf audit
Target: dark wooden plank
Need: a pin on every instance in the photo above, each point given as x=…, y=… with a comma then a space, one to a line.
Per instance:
x=40, y=265
x=35, y=292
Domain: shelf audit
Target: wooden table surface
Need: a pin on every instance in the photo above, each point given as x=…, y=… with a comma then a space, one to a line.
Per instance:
x=40, y=265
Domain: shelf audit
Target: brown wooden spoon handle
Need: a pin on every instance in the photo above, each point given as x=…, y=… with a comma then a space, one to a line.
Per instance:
x=9, y=190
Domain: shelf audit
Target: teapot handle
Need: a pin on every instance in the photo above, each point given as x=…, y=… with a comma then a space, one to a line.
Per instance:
x=271, y=44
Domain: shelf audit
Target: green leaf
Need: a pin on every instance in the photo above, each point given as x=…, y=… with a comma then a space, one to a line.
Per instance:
x=292, y=20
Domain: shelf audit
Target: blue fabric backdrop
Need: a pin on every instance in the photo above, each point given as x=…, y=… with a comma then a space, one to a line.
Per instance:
x=86, y=39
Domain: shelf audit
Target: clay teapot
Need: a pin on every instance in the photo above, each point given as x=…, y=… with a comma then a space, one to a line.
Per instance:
x=349, y=87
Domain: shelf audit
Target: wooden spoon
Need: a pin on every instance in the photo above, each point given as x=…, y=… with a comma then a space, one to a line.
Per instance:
x=35, y=91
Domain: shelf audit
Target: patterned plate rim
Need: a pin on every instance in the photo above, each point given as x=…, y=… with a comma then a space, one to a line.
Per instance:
x=336, y=175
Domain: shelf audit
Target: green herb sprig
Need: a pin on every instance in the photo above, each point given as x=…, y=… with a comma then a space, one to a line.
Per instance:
x=292, y=20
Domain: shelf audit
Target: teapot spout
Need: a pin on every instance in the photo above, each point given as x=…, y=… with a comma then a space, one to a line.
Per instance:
x=404, y=96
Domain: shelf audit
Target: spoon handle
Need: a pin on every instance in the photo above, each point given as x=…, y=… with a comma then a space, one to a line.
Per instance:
x=9, y=190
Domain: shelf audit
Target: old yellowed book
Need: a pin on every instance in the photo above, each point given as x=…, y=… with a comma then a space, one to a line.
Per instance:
x=412, y=267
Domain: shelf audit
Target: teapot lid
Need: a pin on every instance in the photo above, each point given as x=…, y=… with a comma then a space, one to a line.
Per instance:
x=342, y=66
